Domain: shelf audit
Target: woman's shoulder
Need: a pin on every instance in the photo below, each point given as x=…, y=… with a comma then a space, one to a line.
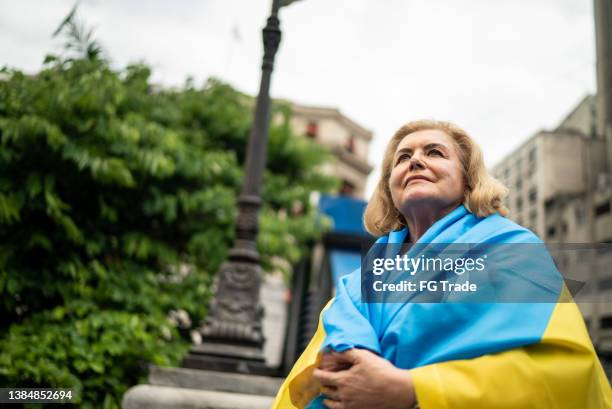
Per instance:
x=500, y=229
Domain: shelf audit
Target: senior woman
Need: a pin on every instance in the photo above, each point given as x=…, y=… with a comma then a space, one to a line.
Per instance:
x=434, y=188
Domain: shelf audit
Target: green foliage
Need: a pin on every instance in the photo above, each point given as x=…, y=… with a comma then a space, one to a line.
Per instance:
x=117, y=205
x=79, y=38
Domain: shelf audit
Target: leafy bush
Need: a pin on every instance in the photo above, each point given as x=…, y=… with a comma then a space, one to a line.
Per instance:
x=117, y=204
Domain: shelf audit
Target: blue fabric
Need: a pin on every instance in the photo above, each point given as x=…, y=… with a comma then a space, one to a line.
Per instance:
x=416, y=334
x=343, y=262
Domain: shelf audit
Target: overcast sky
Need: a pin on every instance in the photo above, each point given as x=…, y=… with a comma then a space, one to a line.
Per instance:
x=501, y=69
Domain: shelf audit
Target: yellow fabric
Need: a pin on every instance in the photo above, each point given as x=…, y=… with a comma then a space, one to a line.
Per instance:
x=299, y=388
x=562, y=371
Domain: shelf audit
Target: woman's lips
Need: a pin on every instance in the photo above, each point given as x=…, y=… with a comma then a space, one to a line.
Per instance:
x=416, y=179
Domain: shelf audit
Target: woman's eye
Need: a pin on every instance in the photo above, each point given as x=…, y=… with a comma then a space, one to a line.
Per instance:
x=435, y=152
x=403, y=157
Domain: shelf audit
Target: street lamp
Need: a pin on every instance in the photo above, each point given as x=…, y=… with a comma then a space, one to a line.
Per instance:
x=232, y=338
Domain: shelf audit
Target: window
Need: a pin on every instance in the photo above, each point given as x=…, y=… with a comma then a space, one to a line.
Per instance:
x=550, y=232
x=347, y=189
x=605, y=283
x=350, y=144
x=519, y=204
x=312, y=129
x=532, y=155
x=519, y=184
x=606, y=322
x=602, y=209
x=533, y=195
x=532, y=160
x=532, y=168
x=533, y=217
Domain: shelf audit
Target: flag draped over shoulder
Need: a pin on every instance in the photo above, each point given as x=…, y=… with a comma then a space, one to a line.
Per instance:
x=464, y=355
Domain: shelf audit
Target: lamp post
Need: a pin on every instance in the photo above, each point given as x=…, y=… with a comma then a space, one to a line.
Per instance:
x=232, y=338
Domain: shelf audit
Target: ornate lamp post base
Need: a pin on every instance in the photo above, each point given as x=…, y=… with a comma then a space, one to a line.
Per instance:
x=232, y=332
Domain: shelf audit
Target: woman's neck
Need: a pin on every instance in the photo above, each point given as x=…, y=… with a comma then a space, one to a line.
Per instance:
x=420, y=218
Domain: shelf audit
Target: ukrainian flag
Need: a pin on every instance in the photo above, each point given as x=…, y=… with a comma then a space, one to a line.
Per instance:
x=464, y=355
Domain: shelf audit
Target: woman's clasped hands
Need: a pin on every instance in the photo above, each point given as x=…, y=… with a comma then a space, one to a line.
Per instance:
x=360, y=379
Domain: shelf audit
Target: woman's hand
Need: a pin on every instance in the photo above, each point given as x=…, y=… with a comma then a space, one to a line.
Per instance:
x=358, y=378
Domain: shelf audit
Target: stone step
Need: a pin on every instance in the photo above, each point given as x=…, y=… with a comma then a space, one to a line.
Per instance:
x=164, y=397
x=214, y=381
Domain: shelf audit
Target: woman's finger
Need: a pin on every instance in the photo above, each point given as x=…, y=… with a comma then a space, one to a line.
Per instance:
x=330, y=392
x=332, y=404
x=333, y=362
x=326, y=378
x=350, y=356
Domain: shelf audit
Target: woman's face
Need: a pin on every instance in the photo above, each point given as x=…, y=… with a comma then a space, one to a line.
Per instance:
x=426, y=170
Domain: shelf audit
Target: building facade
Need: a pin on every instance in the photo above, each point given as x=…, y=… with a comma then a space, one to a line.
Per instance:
x=558, y=188
x=552, y=169
x=560, y=184
x=347, y=140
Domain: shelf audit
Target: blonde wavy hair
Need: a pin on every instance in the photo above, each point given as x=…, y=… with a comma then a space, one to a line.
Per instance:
x=483, y=193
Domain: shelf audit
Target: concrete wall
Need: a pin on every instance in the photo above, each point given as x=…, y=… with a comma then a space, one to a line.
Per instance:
x=521, y=172
x=603, y=36
x=562, y=157
x=583, y=119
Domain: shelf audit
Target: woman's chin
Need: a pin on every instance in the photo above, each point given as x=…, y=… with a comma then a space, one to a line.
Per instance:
x=418, y=194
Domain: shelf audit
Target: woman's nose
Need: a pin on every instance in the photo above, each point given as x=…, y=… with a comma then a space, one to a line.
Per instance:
x=416, y=163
